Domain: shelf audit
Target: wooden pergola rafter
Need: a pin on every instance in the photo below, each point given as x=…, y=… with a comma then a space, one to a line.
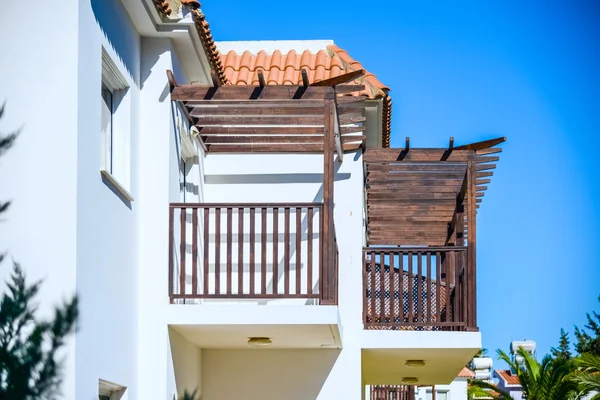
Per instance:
x=420, y=196
x=275, y=118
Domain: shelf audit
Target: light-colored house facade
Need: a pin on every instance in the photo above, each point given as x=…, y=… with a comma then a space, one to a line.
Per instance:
x=207, y=255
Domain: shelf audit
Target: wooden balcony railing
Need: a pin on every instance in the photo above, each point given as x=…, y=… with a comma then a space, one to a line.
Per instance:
x=250, y=251
x=417, y=289
x=392, y=392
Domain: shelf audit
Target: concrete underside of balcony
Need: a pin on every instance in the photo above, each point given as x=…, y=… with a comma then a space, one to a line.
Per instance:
x=384, y=355
x=230, y=326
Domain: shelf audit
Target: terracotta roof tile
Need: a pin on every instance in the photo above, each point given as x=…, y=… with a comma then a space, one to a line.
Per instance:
x=165, y=7
x=286, y=69
x=214, y=57
x=466, y=373
x=508, y=377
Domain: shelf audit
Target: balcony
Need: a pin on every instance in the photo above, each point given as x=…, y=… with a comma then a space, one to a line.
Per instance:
x=419, y=289
x=251, y=252
x=419, y=266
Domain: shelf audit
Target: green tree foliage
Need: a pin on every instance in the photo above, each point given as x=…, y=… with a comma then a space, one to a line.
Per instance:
x=589, y=373
x=30, y=348
x=550, y=379
x=589, y=342
x=563, y=350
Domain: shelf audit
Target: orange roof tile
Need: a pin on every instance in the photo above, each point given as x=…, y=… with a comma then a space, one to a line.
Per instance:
x=164, y=6
x=286, y=69
x=466, y=373
x=508, y=377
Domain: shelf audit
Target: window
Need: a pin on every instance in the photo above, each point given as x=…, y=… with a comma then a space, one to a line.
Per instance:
x=439, y=395
x=115, y=125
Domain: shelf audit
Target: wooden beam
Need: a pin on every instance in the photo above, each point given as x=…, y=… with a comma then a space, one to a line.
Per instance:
x=172, y=81
x=256, y=139
x=275, y=130
x=327, y=278
x=215, y=79
x=242, y=92
x=261, y=78
x=305, y=81
x=482, y=145
x=340, y=79
x=276, y=148
x=471, y=270
x=224, y=120
x=415, y=155
x=273, y=110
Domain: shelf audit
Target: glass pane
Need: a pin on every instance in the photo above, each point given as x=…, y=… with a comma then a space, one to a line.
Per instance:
x=106, y=120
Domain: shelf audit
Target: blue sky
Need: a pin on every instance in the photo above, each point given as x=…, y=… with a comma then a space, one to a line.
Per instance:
x=529, y=71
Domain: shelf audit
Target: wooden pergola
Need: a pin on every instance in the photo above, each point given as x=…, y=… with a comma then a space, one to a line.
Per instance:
x=427, y=199
x=275, y=118
x=426, y=196
x=320, y=117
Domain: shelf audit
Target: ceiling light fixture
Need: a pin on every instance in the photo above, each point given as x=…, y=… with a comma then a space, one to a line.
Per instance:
x=414, y=363
x=409, y=380
x=259, y=341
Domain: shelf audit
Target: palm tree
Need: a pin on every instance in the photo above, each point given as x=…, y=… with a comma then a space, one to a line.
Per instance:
x=589, y=373
x=551, y=379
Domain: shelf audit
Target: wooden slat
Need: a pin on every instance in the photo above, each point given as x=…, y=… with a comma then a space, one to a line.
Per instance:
x=252, y=251
x=218, y=250
x=263, y=250
x=382, y=286
x=274, y=130
x=298, y=249
x=421, y=155
x=275, y=250
x=257, y=109
x=270, y=92
x=438, y=281
x=182, y=249
x=482, y=145
x=340, y=79
x=206, y=254
x=309, y=250
x=171, y=251
x=410, y=287
x=229, y=239
x=392, y=283
x=289, y=140
x=373, y=286
x=222, y=120
x=286, y=250
x=240, y=266
x=422, y=167
x=428, y=272
x=420, y=316
x=195, y=250
x=277, y=148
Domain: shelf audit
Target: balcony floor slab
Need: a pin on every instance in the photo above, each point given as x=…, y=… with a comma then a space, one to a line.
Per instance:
x=230, y=326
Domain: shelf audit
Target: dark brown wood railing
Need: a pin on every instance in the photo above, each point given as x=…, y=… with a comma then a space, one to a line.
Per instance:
x=392, y=392
x=416, y=288
x=250, y=251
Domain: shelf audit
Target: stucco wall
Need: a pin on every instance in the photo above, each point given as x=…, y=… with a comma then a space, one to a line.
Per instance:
x=266, y=374
x=186, y=359
x=106, y=224
x=39, y=174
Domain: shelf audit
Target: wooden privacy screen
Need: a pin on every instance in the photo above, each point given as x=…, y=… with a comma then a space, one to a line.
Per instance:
x=249, y=251
x=392, y=392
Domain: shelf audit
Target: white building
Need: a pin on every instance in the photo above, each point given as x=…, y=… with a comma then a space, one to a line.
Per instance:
x=106, y=157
